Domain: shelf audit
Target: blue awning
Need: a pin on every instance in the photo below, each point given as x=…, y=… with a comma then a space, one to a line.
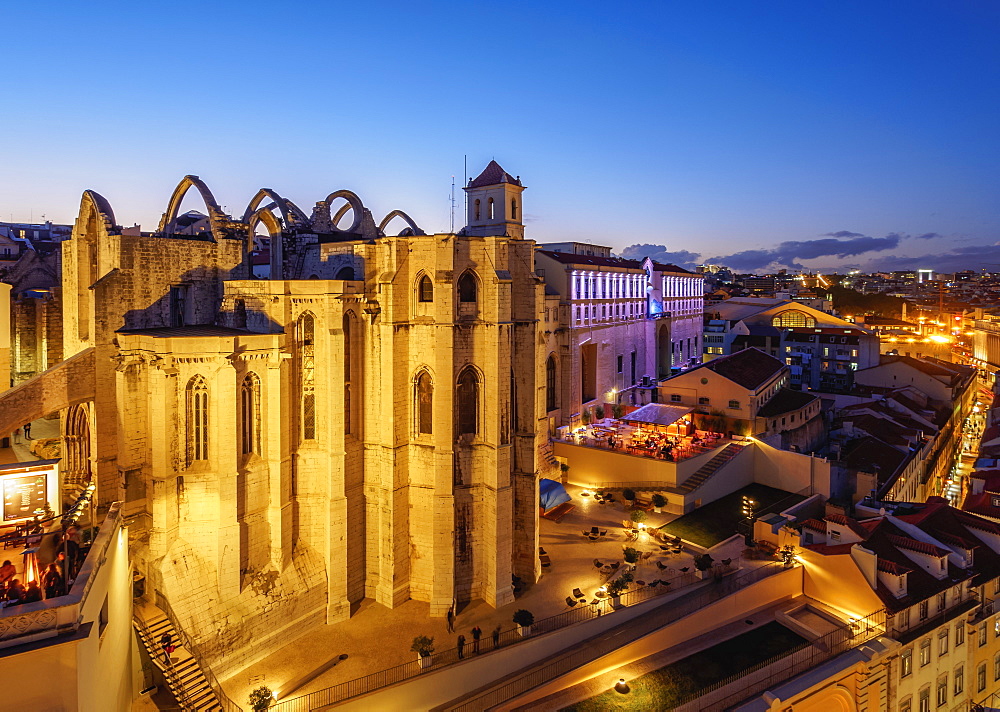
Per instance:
x=552, y=494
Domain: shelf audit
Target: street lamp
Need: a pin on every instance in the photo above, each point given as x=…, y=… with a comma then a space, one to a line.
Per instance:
x=747, y=510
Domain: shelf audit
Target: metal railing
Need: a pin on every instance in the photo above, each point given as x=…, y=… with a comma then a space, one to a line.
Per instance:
x=227, y=704
x=610, y=641
x=583, y=612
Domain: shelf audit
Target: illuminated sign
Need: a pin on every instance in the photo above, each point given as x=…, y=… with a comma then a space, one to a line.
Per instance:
x=24, y=497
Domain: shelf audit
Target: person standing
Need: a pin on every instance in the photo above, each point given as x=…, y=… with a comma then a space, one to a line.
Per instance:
x=477, y=632
x=461, y=647
x=451, y=619
x=496, y=637
x=27, y=431
x=52, y=582
x=17, y=436
x=167, y=643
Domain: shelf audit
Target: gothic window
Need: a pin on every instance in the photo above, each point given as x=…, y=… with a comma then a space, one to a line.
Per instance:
x=424, y=403
x=476, y=204
x=425, y=290
x=250, y=414
x=513, y=209
x=467, y=288
x=345, y=273
x=305, y=334
x=550, y=383
x=793, y=318
x=489, y=209
x=197, y=419
x=467, y=398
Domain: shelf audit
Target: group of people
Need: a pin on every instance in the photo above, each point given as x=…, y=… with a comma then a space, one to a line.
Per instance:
x=55, y=579
x=477, y=633
x=27, y=433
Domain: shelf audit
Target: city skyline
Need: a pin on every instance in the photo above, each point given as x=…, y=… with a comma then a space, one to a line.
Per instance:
x=829, y=136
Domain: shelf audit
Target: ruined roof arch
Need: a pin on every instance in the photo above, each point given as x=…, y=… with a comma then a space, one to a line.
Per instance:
x=414, y=229
x=187, y=182
x=290, y=212
x=353, y=202
x=94, y=201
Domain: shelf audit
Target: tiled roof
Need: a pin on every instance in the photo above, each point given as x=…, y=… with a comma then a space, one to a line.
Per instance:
x=493, y=175
x=786, y=400
x=955, y=540
x=671, y=268
x=891, y=567
x=853, y=524
x=814, y=524
x=921, y=547
x=870, y=454
x=750, y=368
x=570, y=258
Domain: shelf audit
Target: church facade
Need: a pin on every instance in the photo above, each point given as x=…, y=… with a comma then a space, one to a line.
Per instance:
x=363, y=424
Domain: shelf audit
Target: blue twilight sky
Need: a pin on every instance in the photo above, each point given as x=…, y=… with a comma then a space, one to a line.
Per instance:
x=793, y=133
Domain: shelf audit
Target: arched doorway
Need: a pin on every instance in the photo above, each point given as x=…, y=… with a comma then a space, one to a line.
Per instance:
x=663, y=351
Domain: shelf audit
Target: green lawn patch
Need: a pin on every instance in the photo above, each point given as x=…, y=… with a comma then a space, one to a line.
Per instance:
x=717, y=521
x=670, y=685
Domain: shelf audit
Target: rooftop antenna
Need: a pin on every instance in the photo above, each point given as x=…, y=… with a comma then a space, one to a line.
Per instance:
x=453, y=205
x=465, y=182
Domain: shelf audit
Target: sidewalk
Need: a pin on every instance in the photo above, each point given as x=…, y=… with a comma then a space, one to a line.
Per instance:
x=19, y=449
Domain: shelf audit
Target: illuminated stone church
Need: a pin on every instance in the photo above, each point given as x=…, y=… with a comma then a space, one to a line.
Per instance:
x=363, y=424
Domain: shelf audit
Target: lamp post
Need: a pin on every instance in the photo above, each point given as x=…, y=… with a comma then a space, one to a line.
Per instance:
x=747, y=510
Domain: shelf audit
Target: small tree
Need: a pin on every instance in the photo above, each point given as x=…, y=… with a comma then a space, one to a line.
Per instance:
x=599, y=412
x=631, y=555
x=703, y=562
x=628, y=494
x=261, y=698
x=617, y=411
x=787, y=554
x=620, y=584
x=638, y=516
x=659, y=500
x=524, y=618
x=422, y=645
x=585, y=416
x=563, y=467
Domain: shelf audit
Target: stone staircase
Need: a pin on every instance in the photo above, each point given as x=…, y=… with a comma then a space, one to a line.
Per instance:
x=184, y=676
x=548, y=456
x=711, y=467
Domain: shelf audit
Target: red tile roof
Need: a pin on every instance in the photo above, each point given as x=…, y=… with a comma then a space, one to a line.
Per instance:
x=891, y=567
x=493, y=175
x=814, y=524
x=750, y=368
x=570, y=258
x=921, y=547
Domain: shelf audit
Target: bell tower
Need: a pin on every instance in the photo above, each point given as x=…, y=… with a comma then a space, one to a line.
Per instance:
x=495, y=204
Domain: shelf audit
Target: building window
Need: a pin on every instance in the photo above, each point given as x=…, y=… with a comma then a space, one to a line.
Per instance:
x=489, y=208
x=703, y=401
x=426, y=292
x=925, y=652
x=734, y=404
x=924, y=606
x=904, y=619
x=942, y=599
x=621, y=363
x=550, y=383
x=996, y=667
x=476, y=207
x=904, y=706
x=906, y=663
x=959, y=634
x=424, y=400
x=925, y=700
x=982, y=634
x=467, y=288
x=942, y=691
x=981, y=677
x=468, y=402
x=675, y=398
x=513, y=209
x=250, y=414
x=197, y=419
x=959, y=679
x=943, y=642
x=305, y=332
x=793, y=318
x=178, y=304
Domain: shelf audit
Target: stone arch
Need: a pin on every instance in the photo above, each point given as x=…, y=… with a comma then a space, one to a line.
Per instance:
x=353, y=202
x=551, y=383
x=468, y=287
x=468, y=397
x=414, y=230
x=423, y=288
x=76, y=463
x=664, y=354
x=264, y=215
x=791, y=318
x=197, y=406
x=187, y=182
x=423, y=401
x=290, y=213
x=93, y=201
x=250, y=415
x=345, y=273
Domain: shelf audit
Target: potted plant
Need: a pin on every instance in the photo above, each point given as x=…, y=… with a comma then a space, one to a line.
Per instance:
x=617, y=587
x=628, y=495
x=524, y=619
x=703, y=563
x=423, y=647
x=787, y=554
x=617, y=411
x=599, y=412
x=659, y=502
x=261, y=698
x=585, y=416
x=631, y=555
x=638, y=516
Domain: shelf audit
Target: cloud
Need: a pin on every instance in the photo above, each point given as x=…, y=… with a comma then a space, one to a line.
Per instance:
x=792, y=252
x=959, y=258
x=843, y=233
x=928, y=236
x=660, y=253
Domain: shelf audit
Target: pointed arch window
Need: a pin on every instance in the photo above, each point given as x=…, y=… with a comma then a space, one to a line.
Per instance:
x=305, y=335
x=467, y=398
x=476, y=205
x=197, y=419
x=467, y=288
x=550, y=383
x=345, y=273
x=425, y=290
x=250, y=414
x=424, y=394
x=489, y=209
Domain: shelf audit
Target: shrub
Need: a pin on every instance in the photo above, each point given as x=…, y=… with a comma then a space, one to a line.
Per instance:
x=638, y=516
x=703, y=562
x=585, y=416
x=659, y=500
x=617, y=411
x=524, y=617
x=631, y=555
x=620, y=584
x=261, y=698
x=628, y=494
x=563, y=467
x=422, y=645
x=599, y=412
